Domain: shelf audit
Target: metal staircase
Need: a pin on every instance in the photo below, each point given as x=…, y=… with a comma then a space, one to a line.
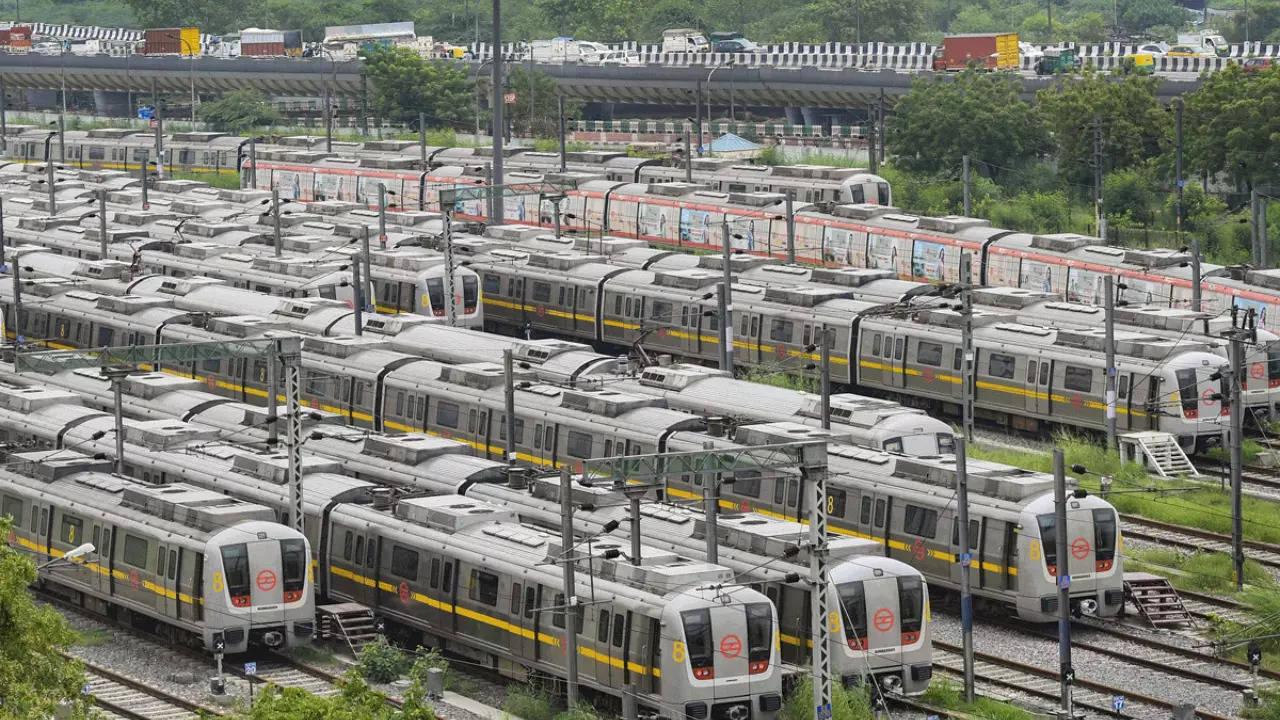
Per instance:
x=1157, y=451
x=1156, y=599
x=350, y=623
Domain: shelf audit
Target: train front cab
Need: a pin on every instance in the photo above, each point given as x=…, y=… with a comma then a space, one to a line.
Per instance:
x=258, y=587
x=1092, y=559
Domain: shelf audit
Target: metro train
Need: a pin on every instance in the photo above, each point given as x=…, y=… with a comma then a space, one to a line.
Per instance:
x=205, y=569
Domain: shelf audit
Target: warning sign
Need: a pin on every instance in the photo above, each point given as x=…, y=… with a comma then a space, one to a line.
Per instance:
x=1080, y=548
x=266, y=580
x=883, y=619
x=731, y=646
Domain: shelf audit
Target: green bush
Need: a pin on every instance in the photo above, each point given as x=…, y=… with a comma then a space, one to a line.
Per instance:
x=381, y=662
x=846, y=704
x=529, y=702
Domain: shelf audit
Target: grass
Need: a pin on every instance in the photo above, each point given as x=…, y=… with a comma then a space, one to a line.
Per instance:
x=1207, y=508
x=783, y=380
x=1249, y=449
x=946, y=694
x=1209, y=572
x=846, y=704
x=93, y=638
x=224, y=181
x=528, y=702
x=311, y=654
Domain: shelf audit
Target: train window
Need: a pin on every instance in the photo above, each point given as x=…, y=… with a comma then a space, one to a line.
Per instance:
x=911, y=604
x=1123, y=387
x=957, y=359
x=471, y=421
x=1077, y=378
x=530, y=601
x=12, y=507
x=404, y=563
x=541, y=292
x=781, y=330
x=659, y=310
x=928, y=353
x=608, y=448
x=412, y=402
x=160, y=557
x=920, y=521
x=515, y=599
x=697, y=636
x=755, y=326
x=880, y=507
x=106, y=336
x=684, y=316
x=836, y=500
x=1001, y=366
x=502, y=430
x=97, y=537
x=713, y=319
x=435, y=295
x=617, y=304
x=448, y=578
x=628, y=307
x=1104, y=535
x=235, y=564
x=875, y=345
x=72, y=530
x=602, y=627
x=1048, y=538
x=35, y=518
x=557, y=615
x=897, y=348
x=620, y=629
x=853, y=601
x=747, y=484
x=469, y=295
x=314, y=384
x=492, y=284
x=435, y=572
x=893, y=445
x=973, y=534
x=44, y=521
x=347, y=540
x=864, y=515
x=484, y=587
x=359, y=556
x=888, y=347
x=793, y=493
x=422, y=410
x=96, y=153
x=140, y=154
x=358, y=400
x=173, y=564
x=560, y=297
x=371, y=556
x=1031, y=371
x=743, y=329
x=400, y=404
x=779, y=491
x=579, y=444
x=1044, y=373
x=447, y=414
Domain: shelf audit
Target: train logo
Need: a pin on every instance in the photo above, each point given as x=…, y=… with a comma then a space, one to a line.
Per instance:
x=1077, y=401
x=918, y=550
x=1208, y=397
x=1080, y=548
x=404, y=592
x=266, y=580
x=928, y=374
x=883, y=619
x=135, y=580
x=731, y=646
x=1257, y=371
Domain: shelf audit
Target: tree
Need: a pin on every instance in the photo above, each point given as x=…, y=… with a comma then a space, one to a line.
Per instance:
x=975, y=113
x=214, y=16
x=405, y=84
x=1231, y=124
x=544, y=122
x=884, y=20
x=1263, y=20
x=35, y=678
x=1134, y=125
x=240, y=110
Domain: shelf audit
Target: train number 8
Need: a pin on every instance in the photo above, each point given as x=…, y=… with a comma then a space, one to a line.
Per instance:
x=677, y=651
x=833, y=622
x=1035, y=549
x=217, y=582
x=831, y=504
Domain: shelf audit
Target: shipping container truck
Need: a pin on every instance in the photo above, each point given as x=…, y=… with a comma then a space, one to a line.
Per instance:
x=19, y=39
x=985, y=51
x=270, y=43
x=171, y=41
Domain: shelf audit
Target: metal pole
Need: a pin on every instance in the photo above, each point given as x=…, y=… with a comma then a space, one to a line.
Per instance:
x=48, y=165
x=62, y=135
x=697, y=117
x=1196, y=302
x=358, y=305
x=882, y=129
x=791, y=226
x=710, y=509
x=1109, y=341
x=966, y=561
x=968, y=207
x=253, y=163
x=450, y=291
x=117, y=394
x=15, y=271
x=509, y=396
x=422, y=139
x=142, y=170
x=966, y=308
x=635, y=527
x=160, y=143
x=726, y=294
x=102, y=223
x=382, y=216
x=275, y=213
x=570, y=588
x=688, y=157
x=873, y=156
x=1099, y=215
x=1253, y=227
x=294, y=441
x=4, y=121
x=273, y=402
x=1237, y=454
x=1063, y=575
x=1264, y=254
x=556, y=204
x=496, y=206
x=564, y=157
x=328, y=120
x=2, y=242
x=826, y=377
x=819, y=618
x=1177, y=134
x=367, y=288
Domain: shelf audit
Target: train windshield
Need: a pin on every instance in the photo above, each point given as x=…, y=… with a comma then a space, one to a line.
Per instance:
x=882, y=190
x=1049, y=539
x=469, y=294
x=853, y=601
x=235, y=564
x=1187, y=389
x=1104, y=538
x=1273, y=362
x=293, y=563
x=946, y=444
x=911, y=606
x=435, y=294
x=697, y=636
x=759, y=636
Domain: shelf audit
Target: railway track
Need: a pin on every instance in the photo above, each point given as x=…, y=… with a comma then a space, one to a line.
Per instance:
x=126, y=697
x=1043, y=684
x=1189, y=538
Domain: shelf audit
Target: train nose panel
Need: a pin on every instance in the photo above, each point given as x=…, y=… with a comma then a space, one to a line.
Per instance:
x=266, y=585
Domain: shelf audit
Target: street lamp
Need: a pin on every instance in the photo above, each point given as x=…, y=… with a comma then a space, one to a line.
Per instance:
x=728, y=64
x=70, y=555
x=191, y=52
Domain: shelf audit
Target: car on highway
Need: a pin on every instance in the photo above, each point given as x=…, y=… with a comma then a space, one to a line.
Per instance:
x=1257, y=64
x=1186, y=51
x=736, y=45
x=1154, y=49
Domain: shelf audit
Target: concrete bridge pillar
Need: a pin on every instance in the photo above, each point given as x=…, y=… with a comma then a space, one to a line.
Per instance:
x=111, y=104
x=795, y=115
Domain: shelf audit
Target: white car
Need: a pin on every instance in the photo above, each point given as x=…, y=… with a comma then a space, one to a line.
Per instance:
x=1157, y=49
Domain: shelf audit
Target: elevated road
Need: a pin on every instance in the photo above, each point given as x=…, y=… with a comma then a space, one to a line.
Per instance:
x=662, y=84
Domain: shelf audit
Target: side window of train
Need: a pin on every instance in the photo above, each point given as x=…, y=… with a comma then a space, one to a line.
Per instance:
x=864, y=514
x=974, y=529
x=748, y=485
x=413, y=401
x=97, y=153
x=928, y=353
x=537, y=437
x=347, y=539
x=743, y=330
x=71, y=530
x=371, y=558
x=1123, y=389
x=660, y=310
x=1044, y=373
x=447, y=414
x=602, y=627
x=447, y=586
x=135, y=551
x=875, y=345
x=173, y=564
x=1000, y=366
x=628, y=313
x=530, y=601
x=471, y=420
x=888, y=347
x=13, y=508
x=560, y=297
x=435, y=572
x=920, y=521
x=160, y=557
x=492, y=284
x=619, y=630
x=880, y=508
x=897, y=348
x=617, y=304
x=755, y=326
x=557, y=616
x=1077, y=378
x=781, y=330
x=541, y=291
x=359, y=555
x=359, y=393
x=484, y=587
x=579, y=444
x=1031, y=372
x=404, y=562
x=400, y=404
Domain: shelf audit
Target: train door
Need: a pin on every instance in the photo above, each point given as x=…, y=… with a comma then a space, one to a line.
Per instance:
x=618, y=635
x=529, y=601
x=1037, y=377
x=890, y=370
x=166, y=578
x=1124, y=418
x=584, y=312
x=101, y=539
x=552, y=619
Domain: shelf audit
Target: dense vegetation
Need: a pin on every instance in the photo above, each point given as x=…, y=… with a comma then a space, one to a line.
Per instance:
x=615, y=20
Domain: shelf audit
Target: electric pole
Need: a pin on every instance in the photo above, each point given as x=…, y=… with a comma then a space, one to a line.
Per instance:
x=496, y=205
x=570, y=608
x=872, y=155
x=966, y=560
x=726, y=304
x=1100, y=216
x=275, y=214
x=509, y=397
x=102, y=224
x=1241, y=332
x=964, y=173
x=966, y=308
x=1253, y=214
x=1062, y=572
x=820, y=621
x=1109, y=341
x=826, y=377
x=791, y=226
x=1177, y=135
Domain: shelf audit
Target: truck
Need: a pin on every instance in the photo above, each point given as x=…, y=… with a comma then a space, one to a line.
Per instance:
x=270, y=43
x=684, y=40
x=567, y=50
x=985, y=51
x=171, y=41
x=1205, y=41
